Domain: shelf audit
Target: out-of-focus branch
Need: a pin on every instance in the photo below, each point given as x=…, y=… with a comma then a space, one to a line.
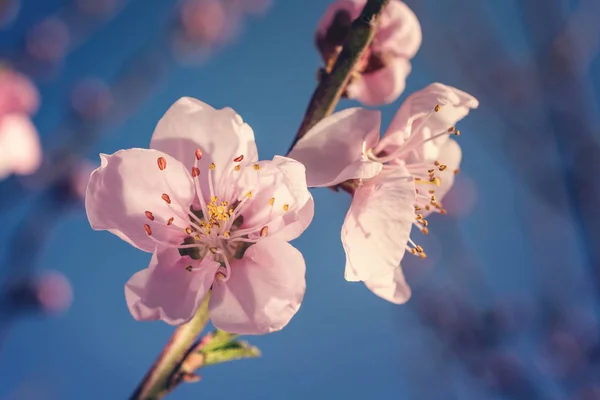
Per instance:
x=332, y=85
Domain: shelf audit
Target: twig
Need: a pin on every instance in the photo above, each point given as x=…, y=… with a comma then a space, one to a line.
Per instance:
x=157, y=381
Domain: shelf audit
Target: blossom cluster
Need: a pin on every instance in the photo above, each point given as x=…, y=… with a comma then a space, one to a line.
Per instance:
x=217, y=219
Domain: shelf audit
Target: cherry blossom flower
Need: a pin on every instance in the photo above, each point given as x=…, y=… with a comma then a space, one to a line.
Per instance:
x=395, y=182
x=381, y=73
x=212, y=215
x=20, y=150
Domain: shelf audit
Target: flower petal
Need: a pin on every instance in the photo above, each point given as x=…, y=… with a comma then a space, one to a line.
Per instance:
x=333, y=150
x=450, y=155
x=166, y=290
x=417, y=115
x=221, y=134
x=390, y=286
x=19, y=144
x=281, y=182
x=130, y=183
x=264, y=291
x=382, y=86
x=399, y=31
x=378, y=224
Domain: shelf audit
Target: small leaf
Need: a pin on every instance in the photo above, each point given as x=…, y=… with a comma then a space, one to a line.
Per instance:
x=215, y=340
x=237, y=352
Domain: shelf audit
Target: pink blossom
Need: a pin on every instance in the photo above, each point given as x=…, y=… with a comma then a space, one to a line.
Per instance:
x=20, y=150
x=395, y=181
x=382, y=71
x=18, y=95
x=212, y=215
x=54, y=292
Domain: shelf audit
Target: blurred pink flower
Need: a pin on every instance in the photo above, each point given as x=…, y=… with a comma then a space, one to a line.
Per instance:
x=49, y=40
x=54, y=292
x=20, y=150
x=386, y=203
x=50, y=293
x=381, y=74
x=204, y=20
x=213, y=216
x=91, y=98
x=18, y=95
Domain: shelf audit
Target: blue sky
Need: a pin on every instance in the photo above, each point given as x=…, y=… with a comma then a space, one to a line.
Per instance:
x=344, y=342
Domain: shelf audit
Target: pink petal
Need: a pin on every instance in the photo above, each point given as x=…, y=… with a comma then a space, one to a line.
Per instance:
x=399, y=31
x=377, y=226
x=353, y=7
x=221, y=134
x=17, y=93
x=450, y=154
x=382, y=86
x=284, y=181
x=264, y=291
x=455, y=105
x=333, y=150
x=20, y=150
x=166, y=290
x=127, y=185
x=390, y=286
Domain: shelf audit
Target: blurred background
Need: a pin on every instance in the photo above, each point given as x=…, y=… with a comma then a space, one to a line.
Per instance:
x=504, y=307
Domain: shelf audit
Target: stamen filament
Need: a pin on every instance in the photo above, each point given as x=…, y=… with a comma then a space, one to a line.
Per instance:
x=199, y=190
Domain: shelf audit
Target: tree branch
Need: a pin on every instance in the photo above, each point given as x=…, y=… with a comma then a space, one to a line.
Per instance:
x=157, y=381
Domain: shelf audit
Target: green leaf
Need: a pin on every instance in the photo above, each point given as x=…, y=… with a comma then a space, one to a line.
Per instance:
x=237, y=351
x=215, y=340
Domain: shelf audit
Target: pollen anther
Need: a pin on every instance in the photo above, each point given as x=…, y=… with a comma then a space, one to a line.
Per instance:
x=162, y=163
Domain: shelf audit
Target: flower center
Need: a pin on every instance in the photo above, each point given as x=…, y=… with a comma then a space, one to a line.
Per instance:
x=214, y=230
